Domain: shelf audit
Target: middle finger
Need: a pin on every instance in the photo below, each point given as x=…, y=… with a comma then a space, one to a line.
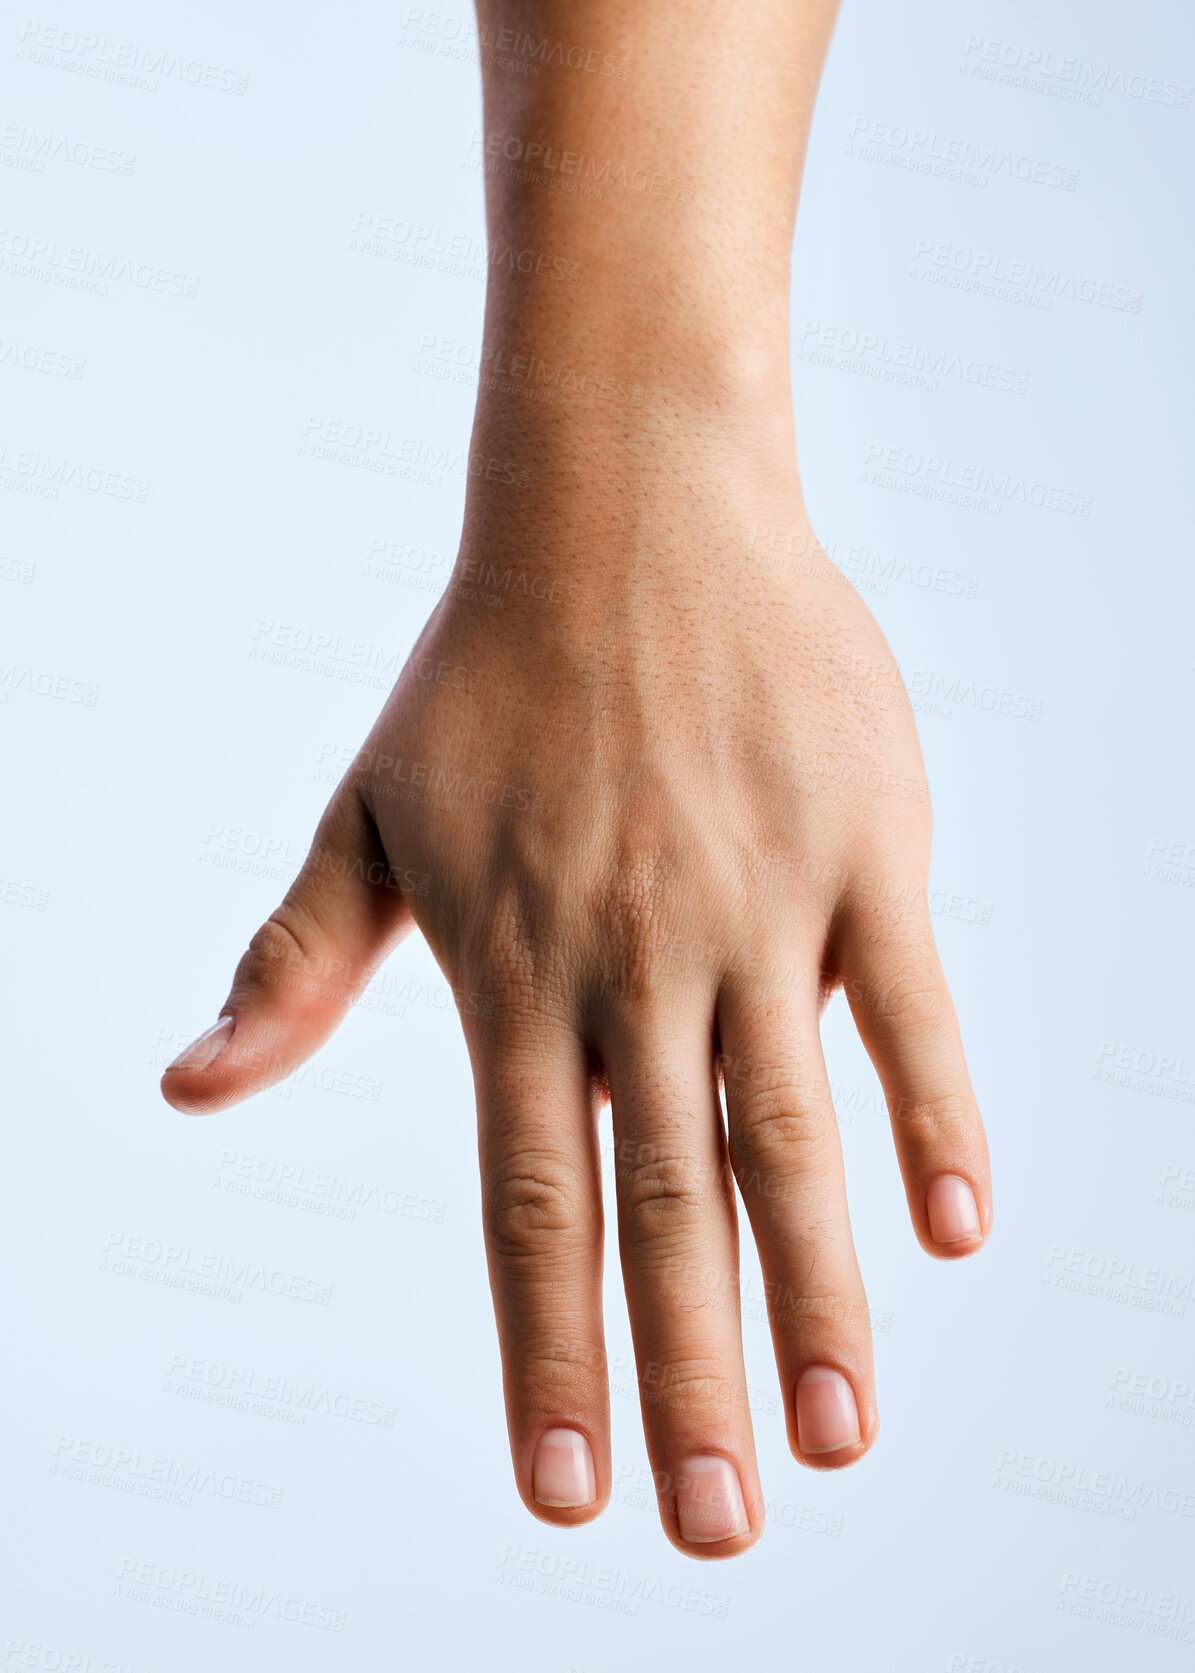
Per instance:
x=679, y=1245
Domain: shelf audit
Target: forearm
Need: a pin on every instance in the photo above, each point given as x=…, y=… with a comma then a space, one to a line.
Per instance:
x=673, y=188
x=640, y=222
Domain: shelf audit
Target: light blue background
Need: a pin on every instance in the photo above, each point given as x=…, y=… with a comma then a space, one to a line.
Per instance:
x=150, y=832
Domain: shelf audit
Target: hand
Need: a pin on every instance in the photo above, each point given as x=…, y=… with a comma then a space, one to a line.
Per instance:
x=650, y=787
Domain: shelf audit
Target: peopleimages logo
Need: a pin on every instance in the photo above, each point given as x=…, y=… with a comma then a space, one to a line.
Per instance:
x=1171, y=862
x=320, y=1190
x=1154, y=1288
x=1145, y=1062
x=1139, y=1069
x=52, y=474
x=79, y=268
x=507, y=48
x=1140, y=1608
x=1070, y=1480
x=944, y=691
x=100, y=55
x=819, y=342
x=189, y=1591
x=152, y=1476
x=924, y=146
x=1142, y=1385
x=50, y=1658
x=34, y=150
x=30, y=358
x=242, y=1388
x=183, y=1268
x=1071, y=75
x=999, y=487
x=984, y=270
x=539, y=156
x=61, y=687
x=611, y=1588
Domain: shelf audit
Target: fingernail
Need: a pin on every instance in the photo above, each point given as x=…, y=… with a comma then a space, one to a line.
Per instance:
x=709, y=1500
x=827, y=1416
x=207, y=1047
x=950, y=1205
x=562, y=1474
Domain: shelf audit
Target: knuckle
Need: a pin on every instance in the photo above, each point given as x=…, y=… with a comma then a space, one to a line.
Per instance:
x=276, y=954
x=532, y=1208
x=637, y=921
x=912, y=999
x=565, y=1355
x=518, y=965
x=662, y=1197
x=505, y=952
x=802, y=1307
x=287, y=957
x=932, y=1120
x=689, y=1384
x=780, y=1128
x=557, y=1371
x=521, y=1016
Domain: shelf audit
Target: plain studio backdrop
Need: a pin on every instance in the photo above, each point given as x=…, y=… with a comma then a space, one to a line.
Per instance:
x=252, y=1416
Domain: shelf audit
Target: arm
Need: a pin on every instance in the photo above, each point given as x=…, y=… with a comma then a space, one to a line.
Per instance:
x=664, y=780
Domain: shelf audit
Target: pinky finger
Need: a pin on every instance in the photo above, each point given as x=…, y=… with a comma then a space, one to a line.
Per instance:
x=903, y=1011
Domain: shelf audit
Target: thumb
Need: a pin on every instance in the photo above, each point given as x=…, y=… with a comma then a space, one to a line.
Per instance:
x=307, y=964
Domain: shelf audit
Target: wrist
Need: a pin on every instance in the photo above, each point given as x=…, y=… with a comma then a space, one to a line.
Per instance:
x=616, y=297
x=620, y=249
x=617, y=498
x=588, y=324
x=600, y=374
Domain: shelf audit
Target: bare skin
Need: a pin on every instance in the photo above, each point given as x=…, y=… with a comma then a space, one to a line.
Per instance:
x=650, y=787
